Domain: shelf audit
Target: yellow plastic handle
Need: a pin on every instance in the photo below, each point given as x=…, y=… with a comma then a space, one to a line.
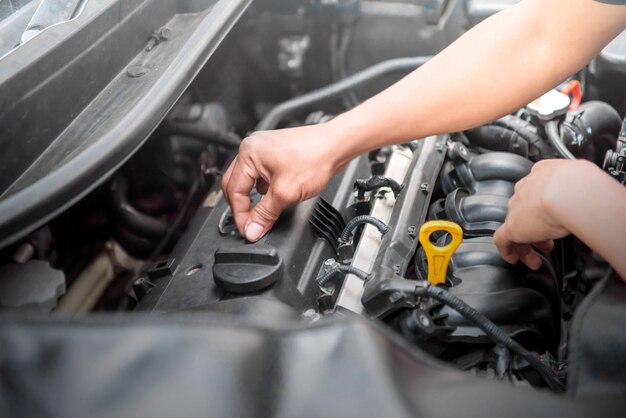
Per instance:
x=439, y=257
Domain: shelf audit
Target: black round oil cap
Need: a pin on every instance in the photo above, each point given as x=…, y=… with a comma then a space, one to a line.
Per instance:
x=246, y=269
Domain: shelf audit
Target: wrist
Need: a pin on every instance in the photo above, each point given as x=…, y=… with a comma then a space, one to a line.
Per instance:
x=345, y=141
x=566, y=193
x=352, y=134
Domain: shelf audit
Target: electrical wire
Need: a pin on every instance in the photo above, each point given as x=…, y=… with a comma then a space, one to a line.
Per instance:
x=548, y=265
x=492, y=330
x=340, y=268
x=552, y=132
x=348, y=231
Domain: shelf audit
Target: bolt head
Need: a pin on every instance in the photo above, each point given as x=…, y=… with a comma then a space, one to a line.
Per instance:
x=136, y=71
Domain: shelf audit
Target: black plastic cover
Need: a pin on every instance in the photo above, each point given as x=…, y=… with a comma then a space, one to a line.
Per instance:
x=230, y=366
x=597, y=354
x=202, y=277
x=612, y=59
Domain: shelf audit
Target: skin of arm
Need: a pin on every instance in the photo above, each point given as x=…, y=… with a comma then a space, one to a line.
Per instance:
x=560, y=197
x=500, y=65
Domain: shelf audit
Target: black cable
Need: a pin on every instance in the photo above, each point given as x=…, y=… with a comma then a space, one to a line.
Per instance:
x=340, y=268
x=376, y=182
x=552, y=132
x=492, y=330
x=548, y=265
x=351, y=226
x=273, y=118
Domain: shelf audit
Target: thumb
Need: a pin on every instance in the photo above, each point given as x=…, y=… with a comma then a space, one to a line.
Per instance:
x=262, y=216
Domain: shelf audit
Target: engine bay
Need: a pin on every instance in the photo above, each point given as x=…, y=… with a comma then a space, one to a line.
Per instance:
x=158, y=237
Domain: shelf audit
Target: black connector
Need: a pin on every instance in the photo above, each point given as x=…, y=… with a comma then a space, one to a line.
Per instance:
x=374, y=183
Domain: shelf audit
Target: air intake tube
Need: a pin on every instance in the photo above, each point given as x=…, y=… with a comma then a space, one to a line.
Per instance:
x=591, y=121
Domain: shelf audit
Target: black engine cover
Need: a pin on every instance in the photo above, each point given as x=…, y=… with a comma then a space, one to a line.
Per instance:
x=281, y=266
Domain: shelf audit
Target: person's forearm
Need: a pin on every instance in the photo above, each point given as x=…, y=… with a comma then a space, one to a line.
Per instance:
x=594, y=212
x=500, y=65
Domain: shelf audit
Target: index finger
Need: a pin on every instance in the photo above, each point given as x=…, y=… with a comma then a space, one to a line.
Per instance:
x=505, y=245
x=240, y=184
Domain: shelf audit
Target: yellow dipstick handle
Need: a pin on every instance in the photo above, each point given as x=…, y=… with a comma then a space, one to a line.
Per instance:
x=439, y=257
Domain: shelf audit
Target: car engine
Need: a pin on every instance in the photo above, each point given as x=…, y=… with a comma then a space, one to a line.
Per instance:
x=157, y=237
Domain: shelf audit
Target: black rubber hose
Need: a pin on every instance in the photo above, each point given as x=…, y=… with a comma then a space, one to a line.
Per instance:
x=497, y=166
x=525, y=130
x=133, y=244
x=376, y=182
x=552, y=132
x=492, y=330
x=351, y=226
x=180, y=217
x=273, y=118
x=592, y=121
x=498, y=138
x=143, y=225
x=502, y=135
x=205, y=135
x=340, y=268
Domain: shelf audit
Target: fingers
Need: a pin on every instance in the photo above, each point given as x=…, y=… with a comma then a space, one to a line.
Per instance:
x=528, y=256
x=545, y=246
x=505, y=245
x=263, y=216
x=239, y=181
x=513, y=252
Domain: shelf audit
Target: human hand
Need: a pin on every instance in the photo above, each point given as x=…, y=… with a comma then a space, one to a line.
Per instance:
x=287, y=166
x=534, y=212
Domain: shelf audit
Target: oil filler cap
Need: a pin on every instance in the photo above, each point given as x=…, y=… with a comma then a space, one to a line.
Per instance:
x=245, y=270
